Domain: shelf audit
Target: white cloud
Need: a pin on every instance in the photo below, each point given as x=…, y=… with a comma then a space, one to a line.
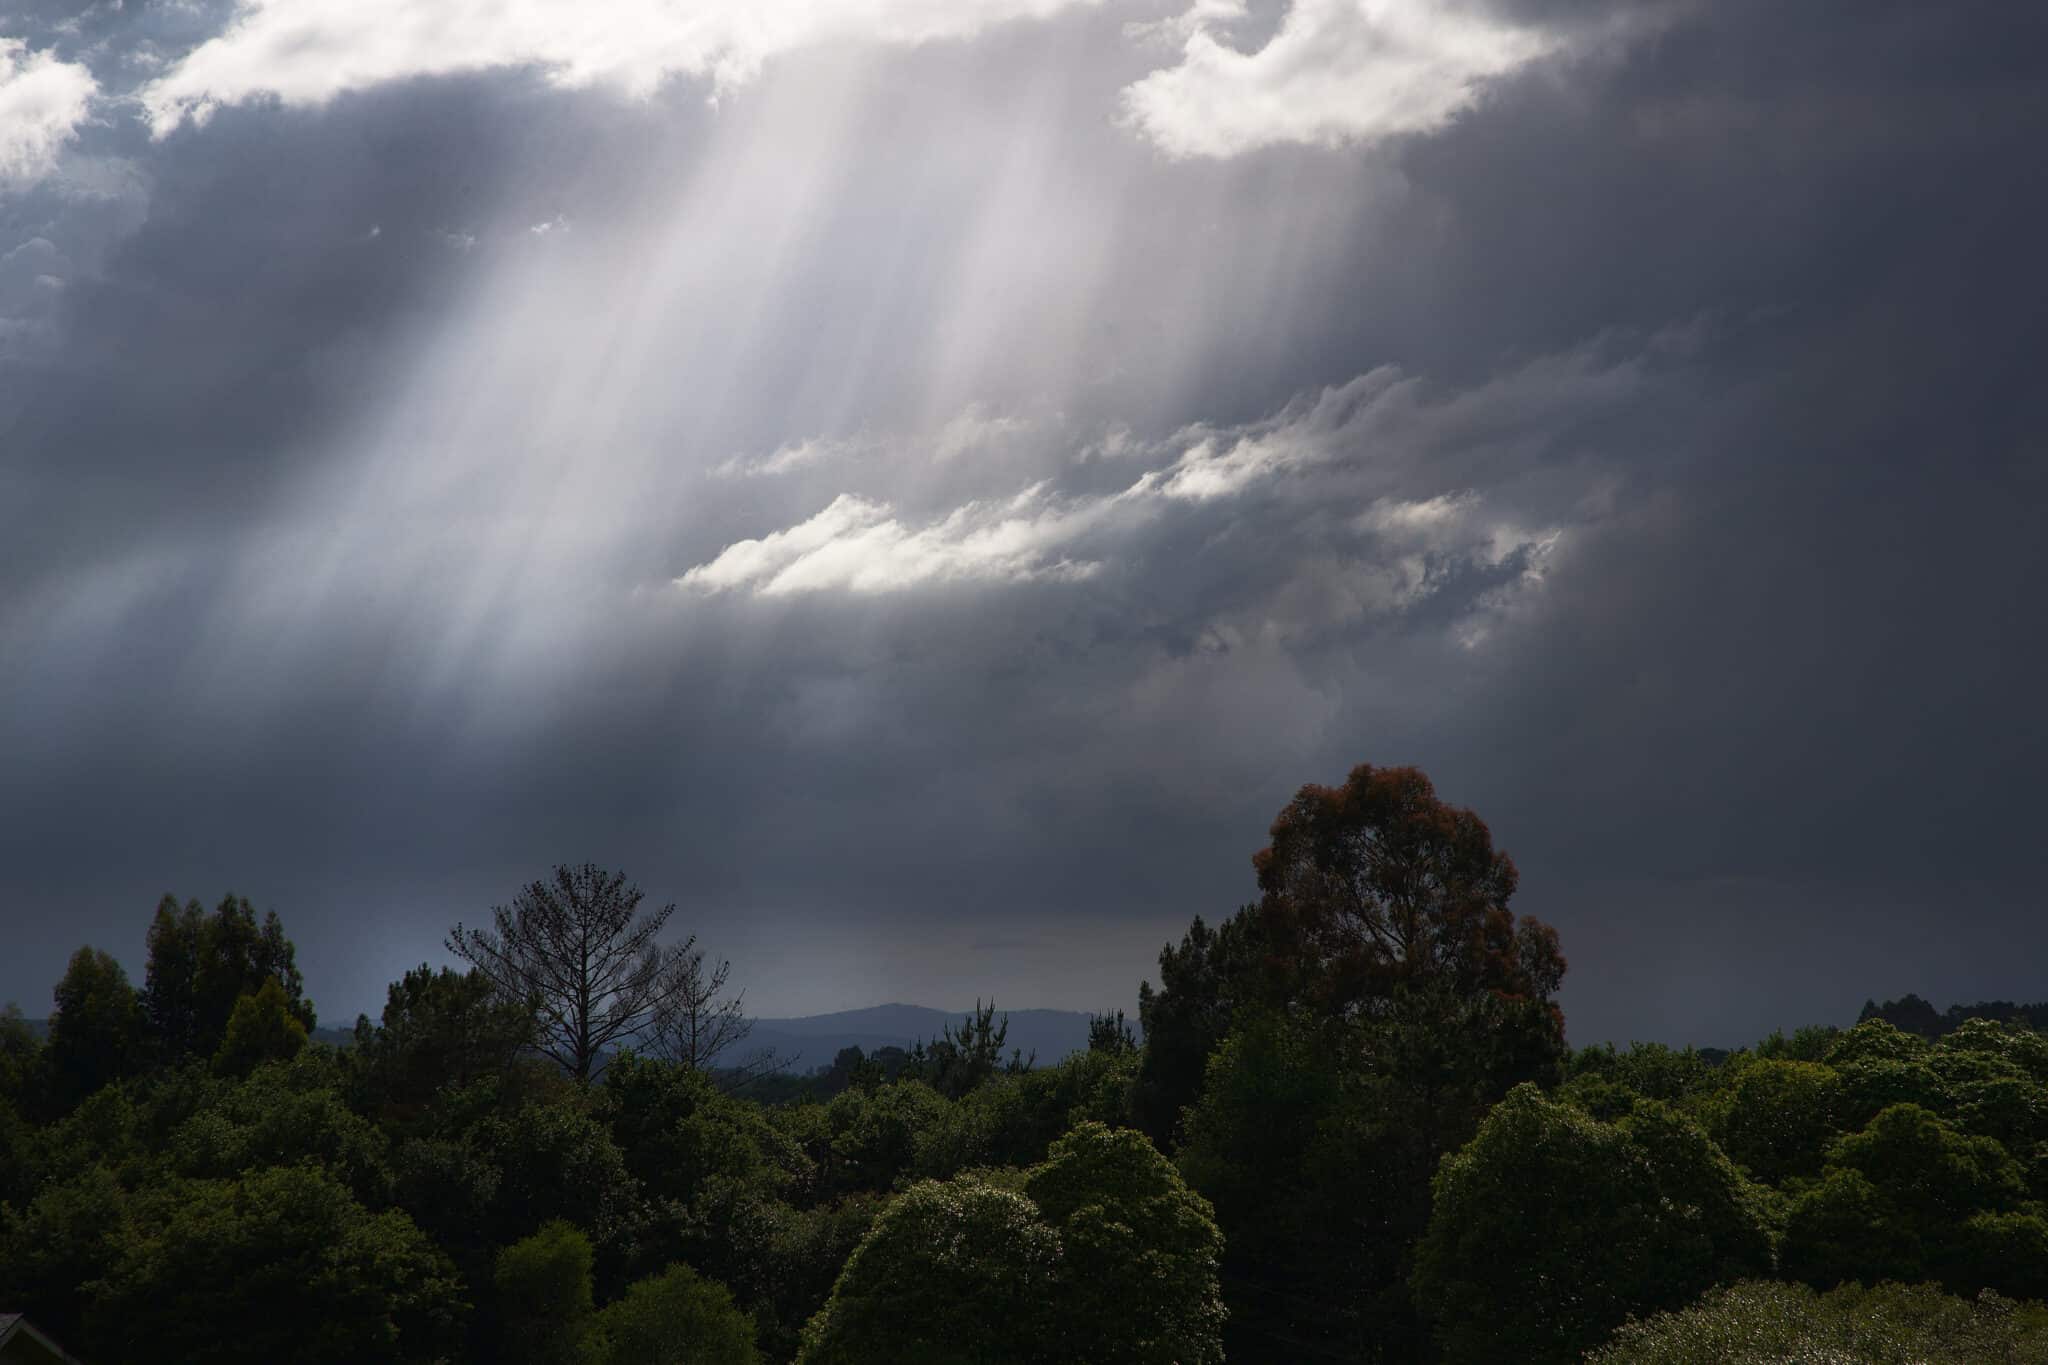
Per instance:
x=975, y=428
x=787, y=459
x=306, y=52
x=42, y=102
x=1223, y=464
x=1422, y=517
x=971, y=430
x=1336, y=72
x=1367, y=444
x=860, y=546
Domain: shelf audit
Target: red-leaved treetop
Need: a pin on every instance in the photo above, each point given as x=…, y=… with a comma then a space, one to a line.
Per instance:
x=1378, y=885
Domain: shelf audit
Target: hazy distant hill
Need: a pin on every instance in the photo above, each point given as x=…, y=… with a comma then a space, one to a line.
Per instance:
x=812, y=1041
x=815, y=1039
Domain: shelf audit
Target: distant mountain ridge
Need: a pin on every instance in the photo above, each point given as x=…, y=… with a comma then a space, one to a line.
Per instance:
x=813, y=1040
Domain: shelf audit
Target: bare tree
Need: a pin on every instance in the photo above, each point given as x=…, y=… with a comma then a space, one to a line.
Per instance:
x=695, y=1023
x=577, y=950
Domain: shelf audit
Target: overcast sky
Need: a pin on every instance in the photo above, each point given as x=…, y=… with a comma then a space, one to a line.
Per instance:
x=921, y=482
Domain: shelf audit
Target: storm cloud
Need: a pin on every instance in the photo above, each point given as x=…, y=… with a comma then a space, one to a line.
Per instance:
x=921, y=484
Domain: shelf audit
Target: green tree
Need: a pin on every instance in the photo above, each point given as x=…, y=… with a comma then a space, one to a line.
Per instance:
x=544, y=1296
x=96, y=1032
x=1141, y=1251
x=262, y=1028
x=1902, y=1199
x=953, y=1273
x=1265, y=1145
x=677, y=1130
x=1650, y=1070
x=674, y=1318
x=56, y=1248
x=1550, y=1228
x=1994, y=1076
x=2015, y=1044
x=959, y=1060
x=1014, y=1119
x=1772, y=1324
x=1875, y=1040
x=280, y=1265
x=1776, y=1118
x=554, y=1162
x=1110, y=1032
x=794, y=1257
x=874, y=1139
x=22, y=1060
x=200, y=965
x=1811, y=1043
x=283, y=1114
x=1202, y=983
x=438, y=1029
x=852, y=1069
x=170, y=995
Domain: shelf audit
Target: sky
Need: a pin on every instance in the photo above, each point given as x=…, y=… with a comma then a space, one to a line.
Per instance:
x=920, y=483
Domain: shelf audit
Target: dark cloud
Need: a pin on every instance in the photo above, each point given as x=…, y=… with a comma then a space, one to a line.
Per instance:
x=346, y=485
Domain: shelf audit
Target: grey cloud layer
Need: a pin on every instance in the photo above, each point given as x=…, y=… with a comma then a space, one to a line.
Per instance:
x=1646, y=447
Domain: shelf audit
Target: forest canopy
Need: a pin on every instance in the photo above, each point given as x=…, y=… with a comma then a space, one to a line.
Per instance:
x=1348, y=1128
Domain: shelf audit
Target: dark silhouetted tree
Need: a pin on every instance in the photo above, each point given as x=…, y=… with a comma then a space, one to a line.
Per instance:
x=200, y=964
x=695, y=1022
x=22, y=1060
x=961, y=1059
x=1378, y=886
x=576, y=949
x=96, y=1033
x=1385, y=978
x=1202, y=982
x=1908, y=1014
x=852, y=1069
x=1109, y=1032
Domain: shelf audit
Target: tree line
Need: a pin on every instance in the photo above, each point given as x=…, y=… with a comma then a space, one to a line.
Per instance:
x=1349, y=1127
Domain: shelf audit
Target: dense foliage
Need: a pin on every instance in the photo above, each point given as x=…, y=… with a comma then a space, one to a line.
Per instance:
x=1770, y=1324
x=1348, y=1129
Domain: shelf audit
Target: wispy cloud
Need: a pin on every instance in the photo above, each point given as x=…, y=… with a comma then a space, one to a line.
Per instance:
x=1369, y=443
x=975, y=428
x=795, y=455
x=859, y=546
